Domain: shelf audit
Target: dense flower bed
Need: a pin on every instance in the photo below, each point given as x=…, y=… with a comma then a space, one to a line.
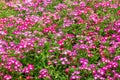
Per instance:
x=61, y=40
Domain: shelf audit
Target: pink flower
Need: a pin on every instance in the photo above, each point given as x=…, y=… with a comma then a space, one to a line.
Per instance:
x=7, y=77
x=67, y=23
x=61, y=42
x=118, y=12
x=29, y=78
x=31, y=67
x=60, y=6
x=82, y=4
x=67, y=70
x=43, y=73
x=75, y=77
x=101, y=71
x=94, y=17
x=114, y=6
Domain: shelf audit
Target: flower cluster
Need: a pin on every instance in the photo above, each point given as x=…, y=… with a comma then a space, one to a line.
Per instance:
x=60, y=40
x=43, y=73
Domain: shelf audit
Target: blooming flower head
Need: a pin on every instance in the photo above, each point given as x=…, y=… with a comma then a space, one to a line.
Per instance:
x=7, y=77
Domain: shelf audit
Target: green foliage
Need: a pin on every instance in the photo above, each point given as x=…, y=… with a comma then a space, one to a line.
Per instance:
x=7, y=11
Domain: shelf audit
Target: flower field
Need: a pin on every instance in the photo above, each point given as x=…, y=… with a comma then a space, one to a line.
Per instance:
x=60, y=40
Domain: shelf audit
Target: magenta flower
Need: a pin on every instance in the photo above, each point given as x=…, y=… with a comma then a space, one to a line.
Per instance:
x=31, y=67
x=43, y=73
x=7, y=77
x=94, y=17
x=74, y=77
x=82, y=4
x=60, y=6
x=67, y=23
x=101, y=71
